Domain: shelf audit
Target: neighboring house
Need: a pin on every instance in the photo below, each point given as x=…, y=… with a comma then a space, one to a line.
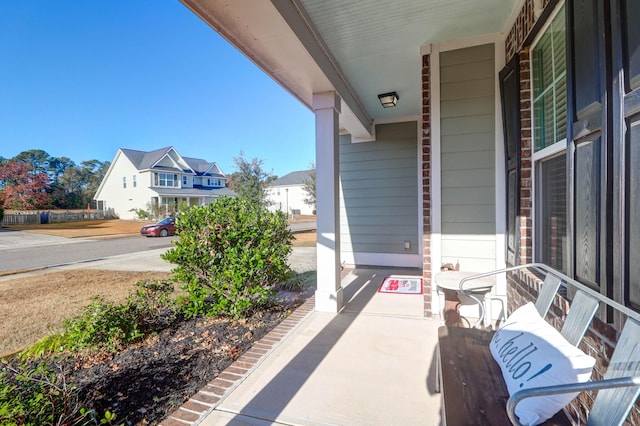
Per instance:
x=485, y=133
x=158, y=181
x=287, y=194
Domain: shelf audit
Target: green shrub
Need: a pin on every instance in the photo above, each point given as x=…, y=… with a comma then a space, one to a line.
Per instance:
x=231, y=255
x=37, y=393
x=109, y=326
x=140, y=213
x=32, y=394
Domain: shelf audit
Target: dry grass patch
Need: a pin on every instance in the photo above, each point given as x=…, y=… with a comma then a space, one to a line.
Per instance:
x=85, y=229
x=304, y=239
x=32, y=307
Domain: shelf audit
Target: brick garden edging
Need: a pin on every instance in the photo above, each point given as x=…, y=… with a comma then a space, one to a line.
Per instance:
x=200, y=405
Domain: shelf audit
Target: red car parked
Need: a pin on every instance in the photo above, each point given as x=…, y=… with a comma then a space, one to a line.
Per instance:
x=161, y=229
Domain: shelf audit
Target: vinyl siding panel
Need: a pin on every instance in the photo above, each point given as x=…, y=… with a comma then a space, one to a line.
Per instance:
x=466, y=56
x=467, y=196
x=379, y=191
x=483, y=68
x=464, y=108
x=466, y=178
x=464, y=143
x=480, y=159
x=469, y=125
x=468, y=157
x=467, y=89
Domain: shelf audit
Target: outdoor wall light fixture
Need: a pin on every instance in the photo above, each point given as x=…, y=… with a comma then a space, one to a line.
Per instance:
x=388, y=99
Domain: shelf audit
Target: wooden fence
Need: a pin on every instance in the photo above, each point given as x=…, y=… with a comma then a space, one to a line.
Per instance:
x=44, y=217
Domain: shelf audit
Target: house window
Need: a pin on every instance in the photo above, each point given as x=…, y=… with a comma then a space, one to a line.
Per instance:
x=135, y=181
x=549, y=72
x=124, y=182
x=549, y=81
x=165, y=179
x=551, y=202
x=184, y=180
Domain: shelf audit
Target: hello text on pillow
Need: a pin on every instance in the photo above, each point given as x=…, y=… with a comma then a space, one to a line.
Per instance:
x=531, y=353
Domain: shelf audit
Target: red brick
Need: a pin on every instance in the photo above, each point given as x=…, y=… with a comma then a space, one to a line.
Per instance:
x=195, y=406
x=236, y=370
x=222, y=383
x=176, y=419
x=206, y=398
x=216, y=390
x=228, y=376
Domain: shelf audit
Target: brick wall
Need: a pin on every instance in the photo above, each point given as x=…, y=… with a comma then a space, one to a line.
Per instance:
x=526, y=196
x=426, y=184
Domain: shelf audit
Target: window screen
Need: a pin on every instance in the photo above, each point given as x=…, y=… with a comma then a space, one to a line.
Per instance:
x=551, y=202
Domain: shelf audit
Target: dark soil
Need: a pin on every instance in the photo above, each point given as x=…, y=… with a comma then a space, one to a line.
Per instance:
x=143, y=384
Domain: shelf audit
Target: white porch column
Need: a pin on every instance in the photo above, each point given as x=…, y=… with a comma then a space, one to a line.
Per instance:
x=329, y=296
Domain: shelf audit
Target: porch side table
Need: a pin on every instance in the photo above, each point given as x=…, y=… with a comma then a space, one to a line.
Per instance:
x=449, y=283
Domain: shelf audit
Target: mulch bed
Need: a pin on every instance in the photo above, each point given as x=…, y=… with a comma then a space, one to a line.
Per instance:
x=145, y=383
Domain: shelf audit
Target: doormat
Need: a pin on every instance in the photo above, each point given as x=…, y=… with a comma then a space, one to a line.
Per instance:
x=401, y=285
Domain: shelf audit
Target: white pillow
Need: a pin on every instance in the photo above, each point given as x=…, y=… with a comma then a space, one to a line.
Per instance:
x=531, y=353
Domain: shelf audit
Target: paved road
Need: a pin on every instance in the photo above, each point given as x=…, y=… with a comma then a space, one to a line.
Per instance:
x=302, y=226
x=23, y=250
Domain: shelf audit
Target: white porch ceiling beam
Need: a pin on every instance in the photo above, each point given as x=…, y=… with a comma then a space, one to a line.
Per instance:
x=357, y=122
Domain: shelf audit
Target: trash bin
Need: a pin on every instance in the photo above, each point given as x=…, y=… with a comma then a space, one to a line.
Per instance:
x=44, y=217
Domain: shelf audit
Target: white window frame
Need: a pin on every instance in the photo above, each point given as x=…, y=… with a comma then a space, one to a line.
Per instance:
x=157, y=180
x=547, y=152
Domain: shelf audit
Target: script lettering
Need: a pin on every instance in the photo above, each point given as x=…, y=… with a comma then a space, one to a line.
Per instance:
x=517, y=356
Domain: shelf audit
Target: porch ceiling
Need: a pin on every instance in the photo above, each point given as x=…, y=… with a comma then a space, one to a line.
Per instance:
x=359, y=48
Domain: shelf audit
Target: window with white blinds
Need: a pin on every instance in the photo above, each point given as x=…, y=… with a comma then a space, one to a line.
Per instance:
x=549, y=92
x=549, y=72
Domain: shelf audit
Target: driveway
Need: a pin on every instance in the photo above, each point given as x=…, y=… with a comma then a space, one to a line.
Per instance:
x=10, y=239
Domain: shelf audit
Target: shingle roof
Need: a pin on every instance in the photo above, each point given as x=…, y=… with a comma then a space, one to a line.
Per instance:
x=144, y=160
x=201, y=166
x=293, y=178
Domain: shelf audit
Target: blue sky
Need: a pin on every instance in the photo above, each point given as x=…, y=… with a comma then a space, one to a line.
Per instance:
x=81, y=79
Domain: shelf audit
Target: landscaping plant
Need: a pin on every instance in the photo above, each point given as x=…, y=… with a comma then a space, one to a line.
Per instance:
x=231, y=255
x=34, y=393
x=110, y=326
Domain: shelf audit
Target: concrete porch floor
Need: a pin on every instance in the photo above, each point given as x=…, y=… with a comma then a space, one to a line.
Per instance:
x=371, y=364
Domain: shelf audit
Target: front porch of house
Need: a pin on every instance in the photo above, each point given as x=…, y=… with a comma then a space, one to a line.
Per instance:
x=374, y=363
x=514, y=137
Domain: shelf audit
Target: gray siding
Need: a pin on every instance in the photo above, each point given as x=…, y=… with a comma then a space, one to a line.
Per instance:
x=379, y=181
x=468, y=157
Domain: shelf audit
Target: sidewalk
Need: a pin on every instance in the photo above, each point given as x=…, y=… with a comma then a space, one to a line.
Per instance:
x=372, y=364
